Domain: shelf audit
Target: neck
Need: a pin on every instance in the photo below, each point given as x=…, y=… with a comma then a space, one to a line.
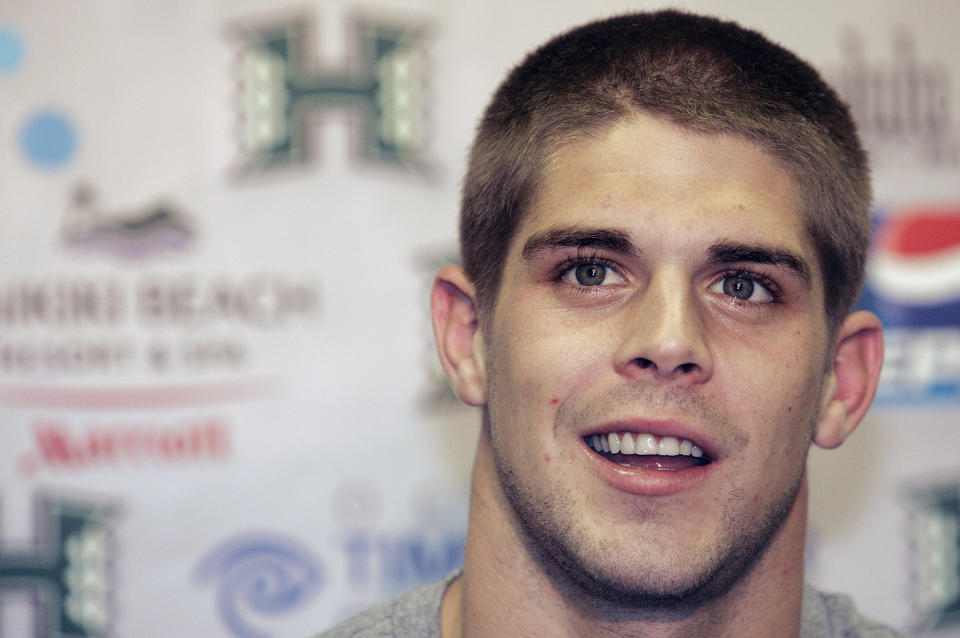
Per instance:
x=507, y=588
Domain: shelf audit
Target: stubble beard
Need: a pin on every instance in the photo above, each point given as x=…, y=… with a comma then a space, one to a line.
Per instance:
x=581, y=564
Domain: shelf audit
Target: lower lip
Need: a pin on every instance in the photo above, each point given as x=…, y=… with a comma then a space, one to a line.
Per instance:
x=648, y=482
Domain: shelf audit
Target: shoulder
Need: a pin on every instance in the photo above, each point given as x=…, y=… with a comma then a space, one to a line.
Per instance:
x=834, y=616
x=415, y=614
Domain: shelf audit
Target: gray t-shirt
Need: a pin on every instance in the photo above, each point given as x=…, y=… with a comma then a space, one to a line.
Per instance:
x=416, y=614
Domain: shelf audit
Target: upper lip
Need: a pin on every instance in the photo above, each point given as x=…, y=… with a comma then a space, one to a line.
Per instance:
x=660, y=428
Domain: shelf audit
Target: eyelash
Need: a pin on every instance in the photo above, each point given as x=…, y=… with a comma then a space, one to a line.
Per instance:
x=584, y=259
x=776, y=294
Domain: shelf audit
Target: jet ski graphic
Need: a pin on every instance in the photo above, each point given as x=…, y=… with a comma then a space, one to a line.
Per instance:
x=129, y=235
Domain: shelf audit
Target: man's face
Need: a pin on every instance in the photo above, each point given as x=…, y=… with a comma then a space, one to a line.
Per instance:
x=662, y=288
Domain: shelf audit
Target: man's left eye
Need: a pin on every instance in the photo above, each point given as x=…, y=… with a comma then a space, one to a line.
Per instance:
x=592, y=274
x=742, y=288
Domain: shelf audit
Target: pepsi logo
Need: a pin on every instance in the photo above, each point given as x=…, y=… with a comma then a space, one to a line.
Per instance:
x=913, y=285
x=913, y=277
x=916, y=258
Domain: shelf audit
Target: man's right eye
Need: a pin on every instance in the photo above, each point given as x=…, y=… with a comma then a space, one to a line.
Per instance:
x=592, y=274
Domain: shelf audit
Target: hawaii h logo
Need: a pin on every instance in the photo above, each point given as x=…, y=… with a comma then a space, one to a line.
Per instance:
x=935, y=561
x=280, y=89
x=68, y=570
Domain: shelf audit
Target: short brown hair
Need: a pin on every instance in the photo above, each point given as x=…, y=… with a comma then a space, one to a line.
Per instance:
x=700, y=73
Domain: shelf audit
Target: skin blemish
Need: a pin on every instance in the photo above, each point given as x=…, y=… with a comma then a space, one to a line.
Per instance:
x=554, y=401
x=546, y=457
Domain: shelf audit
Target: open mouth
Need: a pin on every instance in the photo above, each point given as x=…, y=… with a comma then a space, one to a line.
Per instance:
x=647, y=451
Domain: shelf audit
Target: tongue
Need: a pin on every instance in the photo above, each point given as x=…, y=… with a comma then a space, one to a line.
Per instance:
x=656, y=462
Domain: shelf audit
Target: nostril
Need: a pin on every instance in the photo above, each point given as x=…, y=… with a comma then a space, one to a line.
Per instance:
x=687, y=368
x=645, y=363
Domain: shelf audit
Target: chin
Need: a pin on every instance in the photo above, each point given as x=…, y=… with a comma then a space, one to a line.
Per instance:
x=671, y=583
x=582, y=562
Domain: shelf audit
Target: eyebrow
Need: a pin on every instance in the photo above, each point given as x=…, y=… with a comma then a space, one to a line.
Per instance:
x=728, y=253
x=578, y=237
x=619, y=241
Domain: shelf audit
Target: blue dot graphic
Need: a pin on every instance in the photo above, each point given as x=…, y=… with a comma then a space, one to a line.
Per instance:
x=47, y=139
x=11, y=50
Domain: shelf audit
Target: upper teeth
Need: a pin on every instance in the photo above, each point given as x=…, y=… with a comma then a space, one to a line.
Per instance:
x=629, y=443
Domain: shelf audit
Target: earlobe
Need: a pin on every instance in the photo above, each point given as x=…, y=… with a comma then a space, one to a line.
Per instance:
x=457, y=333
x=852, y=380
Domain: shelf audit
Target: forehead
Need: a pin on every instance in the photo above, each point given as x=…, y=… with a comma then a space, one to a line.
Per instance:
x=646, y=176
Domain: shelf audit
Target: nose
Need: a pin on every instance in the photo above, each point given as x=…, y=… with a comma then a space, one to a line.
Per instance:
x=664, y=335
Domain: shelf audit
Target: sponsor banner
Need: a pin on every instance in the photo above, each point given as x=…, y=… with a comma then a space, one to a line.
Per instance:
x=914, y=287
x=67, y=569
x=934, y=525
x=281, y=87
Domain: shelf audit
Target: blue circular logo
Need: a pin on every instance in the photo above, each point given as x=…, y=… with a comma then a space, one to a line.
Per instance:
x=48, y=139
x=11, y=50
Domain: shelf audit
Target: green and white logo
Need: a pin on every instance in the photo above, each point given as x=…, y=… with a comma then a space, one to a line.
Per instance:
x=281, y=90
x=935, y=541
x=67, y=569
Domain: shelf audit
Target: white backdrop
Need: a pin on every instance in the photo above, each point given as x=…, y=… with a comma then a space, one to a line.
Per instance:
x=220, y=413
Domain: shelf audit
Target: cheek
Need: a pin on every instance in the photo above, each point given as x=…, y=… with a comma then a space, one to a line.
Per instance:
x=774, y=392
x=785, y=364
x=791, y=420
x=549, y=357
x=531, y=378
x=519, y=384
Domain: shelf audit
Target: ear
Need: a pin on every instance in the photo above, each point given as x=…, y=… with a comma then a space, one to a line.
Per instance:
x=852, y=380
x=457, y=333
